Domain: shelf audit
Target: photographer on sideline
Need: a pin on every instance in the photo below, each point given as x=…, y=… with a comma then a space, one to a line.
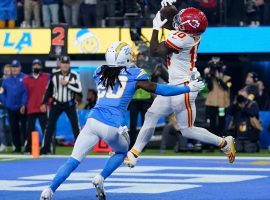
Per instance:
x=218, y=98
x=251, y=86
x=245, y=123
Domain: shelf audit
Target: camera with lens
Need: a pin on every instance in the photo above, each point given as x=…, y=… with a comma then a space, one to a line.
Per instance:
x=216, y=65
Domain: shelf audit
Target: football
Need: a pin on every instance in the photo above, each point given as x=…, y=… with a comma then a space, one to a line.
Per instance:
x=168, y=12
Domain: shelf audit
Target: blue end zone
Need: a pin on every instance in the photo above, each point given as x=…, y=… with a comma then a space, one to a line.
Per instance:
x=155, y=178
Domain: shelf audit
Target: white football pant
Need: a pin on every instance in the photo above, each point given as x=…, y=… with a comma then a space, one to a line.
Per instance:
x=92, y=132
x=185, y=110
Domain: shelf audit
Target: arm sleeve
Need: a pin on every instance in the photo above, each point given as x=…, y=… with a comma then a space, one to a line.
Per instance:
x=171, y=90
x=76, y=85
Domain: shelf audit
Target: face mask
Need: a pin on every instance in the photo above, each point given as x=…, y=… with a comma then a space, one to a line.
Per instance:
x=36, y=70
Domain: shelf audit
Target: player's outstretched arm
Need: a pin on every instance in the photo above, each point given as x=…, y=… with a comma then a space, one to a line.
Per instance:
x=158, y=49
x=170, y=90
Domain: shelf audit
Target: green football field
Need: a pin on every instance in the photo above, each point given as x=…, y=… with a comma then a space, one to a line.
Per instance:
x=156, y=152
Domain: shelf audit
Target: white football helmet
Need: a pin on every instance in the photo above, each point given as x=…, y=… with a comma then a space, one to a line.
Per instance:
x=118, y=55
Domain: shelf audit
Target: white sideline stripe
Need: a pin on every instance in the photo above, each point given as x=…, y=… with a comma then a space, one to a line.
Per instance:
x=155, y=177
x=7, y=159
x=143, y=157
x=249, y=169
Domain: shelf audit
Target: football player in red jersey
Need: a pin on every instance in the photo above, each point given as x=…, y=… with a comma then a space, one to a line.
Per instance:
x=181, y=49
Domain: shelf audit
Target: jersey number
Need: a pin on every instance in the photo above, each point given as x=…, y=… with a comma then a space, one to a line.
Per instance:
x=180, y=34
x=115, y=93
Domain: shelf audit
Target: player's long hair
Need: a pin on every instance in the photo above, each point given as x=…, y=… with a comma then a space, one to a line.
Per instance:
x=109, y=76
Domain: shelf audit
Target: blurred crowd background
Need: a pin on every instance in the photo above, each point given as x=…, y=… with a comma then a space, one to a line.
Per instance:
x=219, y=109
x=124, y=13
x=237, y=86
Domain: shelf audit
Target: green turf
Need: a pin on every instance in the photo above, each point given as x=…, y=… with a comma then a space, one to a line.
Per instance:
x=156, y=152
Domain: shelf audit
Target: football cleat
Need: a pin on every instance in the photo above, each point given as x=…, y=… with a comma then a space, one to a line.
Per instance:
x=98, y=183
x=46, y=194
x=229, y=149
x=130, y=160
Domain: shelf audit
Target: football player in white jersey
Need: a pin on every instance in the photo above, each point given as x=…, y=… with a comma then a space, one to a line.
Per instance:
x=181, y=50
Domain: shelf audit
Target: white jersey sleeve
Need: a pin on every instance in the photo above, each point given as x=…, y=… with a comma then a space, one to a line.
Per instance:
x=178, y=40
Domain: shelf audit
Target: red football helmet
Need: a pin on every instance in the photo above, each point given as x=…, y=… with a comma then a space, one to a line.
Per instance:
x=190, y=20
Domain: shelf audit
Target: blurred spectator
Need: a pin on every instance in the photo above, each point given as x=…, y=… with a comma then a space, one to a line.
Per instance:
x=218, y=98
x=20, y=13
x=262, y=96
x=105, y=8
x=8, y=13
x=266, y=13
x=80, y=104
x=91, y=99
x=36, y=84
x=245, y=123
x=63, y=86
x=210, y=8
x=172, y=134
x=251, y=85
x=172, y=129
x=154, y=5
x=32, y=6
x=14, y=98
x=50, y=11
x=133, y=13
x=89, y=13
x=141, y=100
x=254, y=12
x=3, y=134
x=235, y=12
x=71, y=10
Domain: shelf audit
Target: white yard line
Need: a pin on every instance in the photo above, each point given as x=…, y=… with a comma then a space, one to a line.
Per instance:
x=7, y=159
